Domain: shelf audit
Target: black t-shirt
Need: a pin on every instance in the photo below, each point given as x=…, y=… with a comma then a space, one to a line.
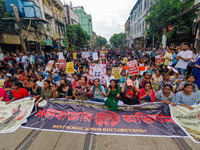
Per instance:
x=63, y=94
x=2, y=65
x=36, y=92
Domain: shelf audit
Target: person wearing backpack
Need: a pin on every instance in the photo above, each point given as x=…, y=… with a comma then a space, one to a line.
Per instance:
x=97, y=91
x=129, y=93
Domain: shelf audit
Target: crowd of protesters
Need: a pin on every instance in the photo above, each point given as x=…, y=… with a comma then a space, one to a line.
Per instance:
x=175, y=82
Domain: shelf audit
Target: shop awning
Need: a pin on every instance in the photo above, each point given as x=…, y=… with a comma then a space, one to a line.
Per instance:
x=48, y=42
x=10, y=39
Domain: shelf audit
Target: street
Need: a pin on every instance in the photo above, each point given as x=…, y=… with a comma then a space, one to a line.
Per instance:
x=26, y=139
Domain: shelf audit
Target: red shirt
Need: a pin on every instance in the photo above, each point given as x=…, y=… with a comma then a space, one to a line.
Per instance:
x=22, y=93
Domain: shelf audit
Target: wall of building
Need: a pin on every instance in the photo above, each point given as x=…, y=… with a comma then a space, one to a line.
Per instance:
x=137, y=21
x=85, y=20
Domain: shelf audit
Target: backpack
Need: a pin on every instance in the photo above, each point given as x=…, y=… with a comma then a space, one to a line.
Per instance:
x=93, y=88
x=127, y=90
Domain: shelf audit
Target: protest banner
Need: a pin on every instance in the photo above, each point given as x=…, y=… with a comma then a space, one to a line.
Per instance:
x=189, y=120
x=150, y=119
x=50, y=65
x=116, y=73
x=98, y=71
x=61, y=61
x=125, y=60
x=70, y=67
x=74, y=54
x=159, y=59
x=132, y=68
x=14, y=114
x=2, y=82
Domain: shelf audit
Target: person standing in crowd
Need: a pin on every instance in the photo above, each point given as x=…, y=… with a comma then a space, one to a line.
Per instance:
x=11, y=63
x=183, y=59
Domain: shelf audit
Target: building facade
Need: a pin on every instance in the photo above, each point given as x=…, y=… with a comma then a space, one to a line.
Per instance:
x=127, y=32
x=69, y=15
x=137, y=23
x=85, y=19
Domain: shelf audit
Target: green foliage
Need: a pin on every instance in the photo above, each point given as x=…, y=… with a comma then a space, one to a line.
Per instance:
x=101, y=41
x=5, y=27
x=76, y=36
x=163, y=12
x=108, y=46
x=117, y=40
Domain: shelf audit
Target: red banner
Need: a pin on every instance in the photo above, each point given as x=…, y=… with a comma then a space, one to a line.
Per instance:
x=133, y=68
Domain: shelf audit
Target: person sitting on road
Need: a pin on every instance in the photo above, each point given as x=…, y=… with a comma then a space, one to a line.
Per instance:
x=147, y=94
x=165, y=95
x=3, y=95
x=35, y=89
x=113, y=94
x=46, y=93
x=63, y=90
x=97, y=91
x=18, y=92
x=186, y=97
x=130, y=93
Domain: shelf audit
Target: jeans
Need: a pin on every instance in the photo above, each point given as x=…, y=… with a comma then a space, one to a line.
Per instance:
x=182, y=71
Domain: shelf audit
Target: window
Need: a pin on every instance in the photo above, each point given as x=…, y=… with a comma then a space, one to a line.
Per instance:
x=145, y=4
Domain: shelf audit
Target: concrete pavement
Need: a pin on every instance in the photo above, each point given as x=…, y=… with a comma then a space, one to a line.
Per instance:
x=26, y=139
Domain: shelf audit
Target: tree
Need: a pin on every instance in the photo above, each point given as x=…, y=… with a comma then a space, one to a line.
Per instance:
x=76, y=36
x=161, y=14
x=117, y=40
x=5, y=27
x=100, y=42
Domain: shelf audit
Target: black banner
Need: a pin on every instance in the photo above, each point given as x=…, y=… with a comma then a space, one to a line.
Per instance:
x=150, y=119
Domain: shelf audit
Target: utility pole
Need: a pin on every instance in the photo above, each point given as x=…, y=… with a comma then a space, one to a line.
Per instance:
x=21, y=36
x=197, y=39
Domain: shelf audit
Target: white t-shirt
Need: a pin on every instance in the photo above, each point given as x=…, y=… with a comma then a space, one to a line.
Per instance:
x=170, y=61
x=181, y=63
x=108, y=79
x=40, y=83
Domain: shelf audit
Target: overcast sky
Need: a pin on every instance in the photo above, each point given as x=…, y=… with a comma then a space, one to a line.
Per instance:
x=108, y=16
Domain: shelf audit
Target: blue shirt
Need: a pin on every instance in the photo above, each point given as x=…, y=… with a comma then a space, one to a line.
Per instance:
x=174, y=58
x=186, y=99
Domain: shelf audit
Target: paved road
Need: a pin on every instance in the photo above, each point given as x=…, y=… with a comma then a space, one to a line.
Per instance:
x=26, y=139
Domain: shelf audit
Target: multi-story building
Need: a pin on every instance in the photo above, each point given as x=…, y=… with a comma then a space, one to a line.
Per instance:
x=85, y=19
x=127, y=32
x=69, y=15
x=137, y=22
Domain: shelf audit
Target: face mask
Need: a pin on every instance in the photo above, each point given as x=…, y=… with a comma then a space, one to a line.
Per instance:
x=62, y=85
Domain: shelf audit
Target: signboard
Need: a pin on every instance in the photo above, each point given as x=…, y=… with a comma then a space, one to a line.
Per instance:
x=132, y=68
x=61, y=61
x=70, y=67
x=50, y=65
x=159, y=59
x=116, y=73
x=98, y=71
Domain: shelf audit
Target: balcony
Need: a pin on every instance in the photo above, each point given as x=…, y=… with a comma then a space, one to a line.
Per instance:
x=59, y=19
x=58, y=4
x=48, y=11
